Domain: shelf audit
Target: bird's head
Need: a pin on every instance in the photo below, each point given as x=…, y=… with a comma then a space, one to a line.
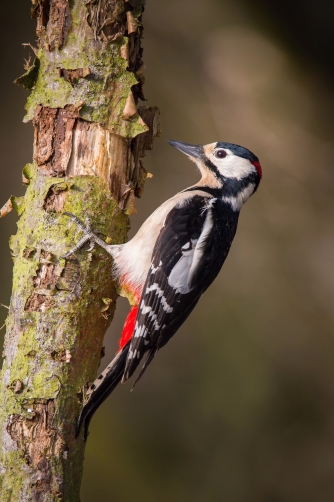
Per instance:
x=232, y=168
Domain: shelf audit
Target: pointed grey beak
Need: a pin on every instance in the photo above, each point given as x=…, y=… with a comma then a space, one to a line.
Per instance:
x=191, y=150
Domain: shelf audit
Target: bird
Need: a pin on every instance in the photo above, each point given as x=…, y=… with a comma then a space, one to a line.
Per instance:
x=173, y=258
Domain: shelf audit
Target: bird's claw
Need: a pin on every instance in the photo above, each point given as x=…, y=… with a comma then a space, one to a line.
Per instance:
x=86, y=228
x=91, y=246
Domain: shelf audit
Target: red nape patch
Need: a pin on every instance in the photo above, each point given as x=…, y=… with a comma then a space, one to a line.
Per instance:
x=128, y=327
x=258, y=167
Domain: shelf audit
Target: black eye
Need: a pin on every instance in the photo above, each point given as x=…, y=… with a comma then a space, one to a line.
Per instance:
x=221, y=154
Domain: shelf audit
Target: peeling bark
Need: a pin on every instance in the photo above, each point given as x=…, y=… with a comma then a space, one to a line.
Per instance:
x=107, y=18
x=90, y=136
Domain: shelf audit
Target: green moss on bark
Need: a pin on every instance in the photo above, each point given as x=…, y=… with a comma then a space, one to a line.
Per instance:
x=60, y=308
x=58, y=337
x=101, y=95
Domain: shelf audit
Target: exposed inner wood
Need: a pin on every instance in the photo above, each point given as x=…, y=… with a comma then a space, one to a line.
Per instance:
x=67, y=145
x=53, y=19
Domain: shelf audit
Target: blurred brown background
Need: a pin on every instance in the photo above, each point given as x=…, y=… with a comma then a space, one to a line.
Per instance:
x=239, y=407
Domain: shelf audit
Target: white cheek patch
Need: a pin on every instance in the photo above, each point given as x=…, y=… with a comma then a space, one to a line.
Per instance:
x=233, y=166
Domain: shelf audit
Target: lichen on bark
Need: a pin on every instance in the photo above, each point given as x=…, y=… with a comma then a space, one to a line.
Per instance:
x=90, y=136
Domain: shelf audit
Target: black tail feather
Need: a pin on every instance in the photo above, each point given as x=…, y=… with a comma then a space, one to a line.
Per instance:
x=101, y=389
x=148, y=360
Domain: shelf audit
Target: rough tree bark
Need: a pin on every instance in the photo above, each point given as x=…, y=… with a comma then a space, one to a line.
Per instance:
x=90, y=135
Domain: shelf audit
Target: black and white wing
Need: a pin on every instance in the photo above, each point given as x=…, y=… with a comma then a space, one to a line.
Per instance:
x=188, y=254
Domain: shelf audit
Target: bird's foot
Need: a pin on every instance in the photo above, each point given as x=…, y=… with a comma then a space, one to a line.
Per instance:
x=89, y=236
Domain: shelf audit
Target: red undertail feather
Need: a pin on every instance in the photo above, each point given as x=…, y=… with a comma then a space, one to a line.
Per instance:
x=128, y=327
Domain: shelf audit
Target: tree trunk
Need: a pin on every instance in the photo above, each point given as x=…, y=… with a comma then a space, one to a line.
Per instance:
x=89, y=138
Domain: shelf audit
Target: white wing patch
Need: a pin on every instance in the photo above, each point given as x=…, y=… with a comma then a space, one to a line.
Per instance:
x=178, y=278
x=192, y=252
x=200, y=246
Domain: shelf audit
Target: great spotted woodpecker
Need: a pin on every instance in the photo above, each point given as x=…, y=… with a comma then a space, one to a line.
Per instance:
x=173, y=258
